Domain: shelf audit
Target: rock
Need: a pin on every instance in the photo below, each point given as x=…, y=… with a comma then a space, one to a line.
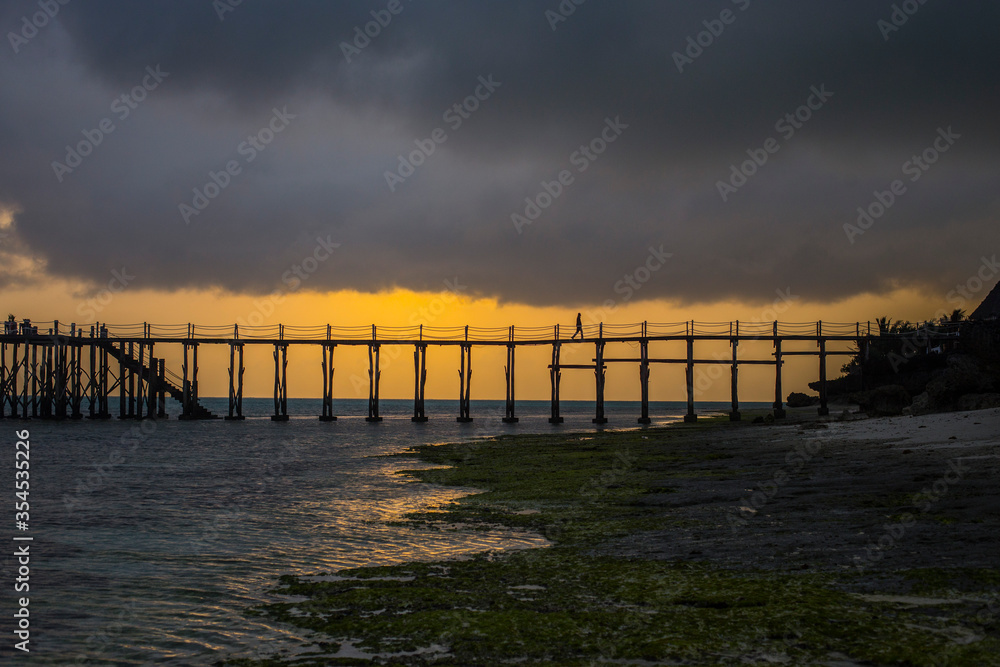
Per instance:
x=800, y=400
x=963, y=375
x=979, y=401
x=889, y=400
x=921, y=404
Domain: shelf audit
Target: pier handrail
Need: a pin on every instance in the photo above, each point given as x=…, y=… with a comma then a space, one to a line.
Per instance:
x=423, y=332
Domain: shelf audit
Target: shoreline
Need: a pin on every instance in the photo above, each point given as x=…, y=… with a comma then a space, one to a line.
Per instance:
x=806, y=541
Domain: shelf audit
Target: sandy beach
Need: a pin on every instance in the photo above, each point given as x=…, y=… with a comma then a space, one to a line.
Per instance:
x=833, y=541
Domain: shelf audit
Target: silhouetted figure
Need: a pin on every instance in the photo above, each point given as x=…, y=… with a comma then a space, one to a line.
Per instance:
x=579, y=327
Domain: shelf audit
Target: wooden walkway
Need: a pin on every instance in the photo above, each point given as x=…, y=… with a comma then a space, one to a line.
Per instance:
x=48, y=370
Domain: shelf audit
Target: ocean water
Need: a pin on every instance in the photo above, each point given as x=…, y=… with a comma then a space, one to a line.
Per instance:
x=151, y=539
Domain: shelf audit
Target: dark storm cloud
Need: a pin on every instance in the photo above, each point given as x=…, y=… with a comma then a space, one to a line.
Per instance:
x=322, y=177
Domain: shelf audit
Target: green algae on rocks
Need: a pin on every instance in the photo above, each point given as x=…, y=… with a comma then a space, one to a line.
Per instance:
x=566, y=605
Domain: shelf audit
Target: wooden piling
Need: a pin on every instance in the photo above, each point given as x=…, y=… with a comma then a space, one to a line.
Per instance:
x=419, y=382
x=374, y=375
x=280, y=383
x=599, y=376
x=3, y=380
x=122, y=391
x=34, y=380
x=644, y=377
x=823, y=408
x=235, y=382
x=689, y=375
x=327, y=351
x=152, y=384
x=465, y=383
x=779, y=410
x=28, y=375
x=734, y=413
x=161, y=394
x=555, y=376
x=76, y=397
x=509, y=416
x=14, y=368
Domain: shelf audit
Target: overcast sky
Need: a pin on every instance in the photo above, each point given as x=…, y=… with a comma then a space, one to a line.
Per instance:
x=674, y=119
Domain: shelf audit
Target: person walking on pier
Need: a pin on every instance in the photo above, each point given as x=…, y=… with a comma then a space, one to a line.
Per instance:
x=579, y=327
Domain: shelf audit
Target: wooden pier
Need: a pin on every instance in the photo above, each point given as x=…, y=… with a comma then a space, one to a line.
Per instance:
x=51, y=371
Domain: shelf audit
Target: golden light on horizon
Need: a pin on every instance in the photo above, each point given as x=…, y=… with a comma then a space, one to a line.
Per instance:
x=68, y=302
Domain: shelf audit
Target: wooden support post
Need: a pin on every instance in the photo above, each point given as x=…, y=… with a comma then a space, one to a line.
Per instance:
x=689, y=375
x=823, y=409
x=374, y=375
x=419, y=382
x=555, y=375
x=280, y=383
x=644, y=379
x=779, y=410
x=14, y=368
x=152, y=384
x=140, y=381
x=235, y=383
x=27, y=380
x=465, y=383
x=864, y=351
x=599, y=374
x=131, y=382
x=92, y=385
x=327, y=350
x=76, y=395
x=192, y=410
x=734, y=413
x=509, y=416
x=34, y=380
x=62, y=376
x=104, y=394
x=3, y=380
x=44, y=384
x=122, y=393
x=161, y=394
x=185, y=385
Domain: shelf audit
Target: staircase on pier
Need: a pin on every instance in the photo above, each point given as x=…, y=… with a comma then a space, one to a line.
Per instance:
x=160, y=382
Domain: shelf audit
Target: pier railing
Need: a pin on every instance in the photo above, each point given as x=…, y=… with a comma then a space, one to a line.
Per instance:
x=420, y=333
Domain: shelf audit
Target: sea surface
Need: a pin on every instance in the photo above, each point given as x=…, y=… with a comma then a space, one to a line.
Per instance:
x=151, y=539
